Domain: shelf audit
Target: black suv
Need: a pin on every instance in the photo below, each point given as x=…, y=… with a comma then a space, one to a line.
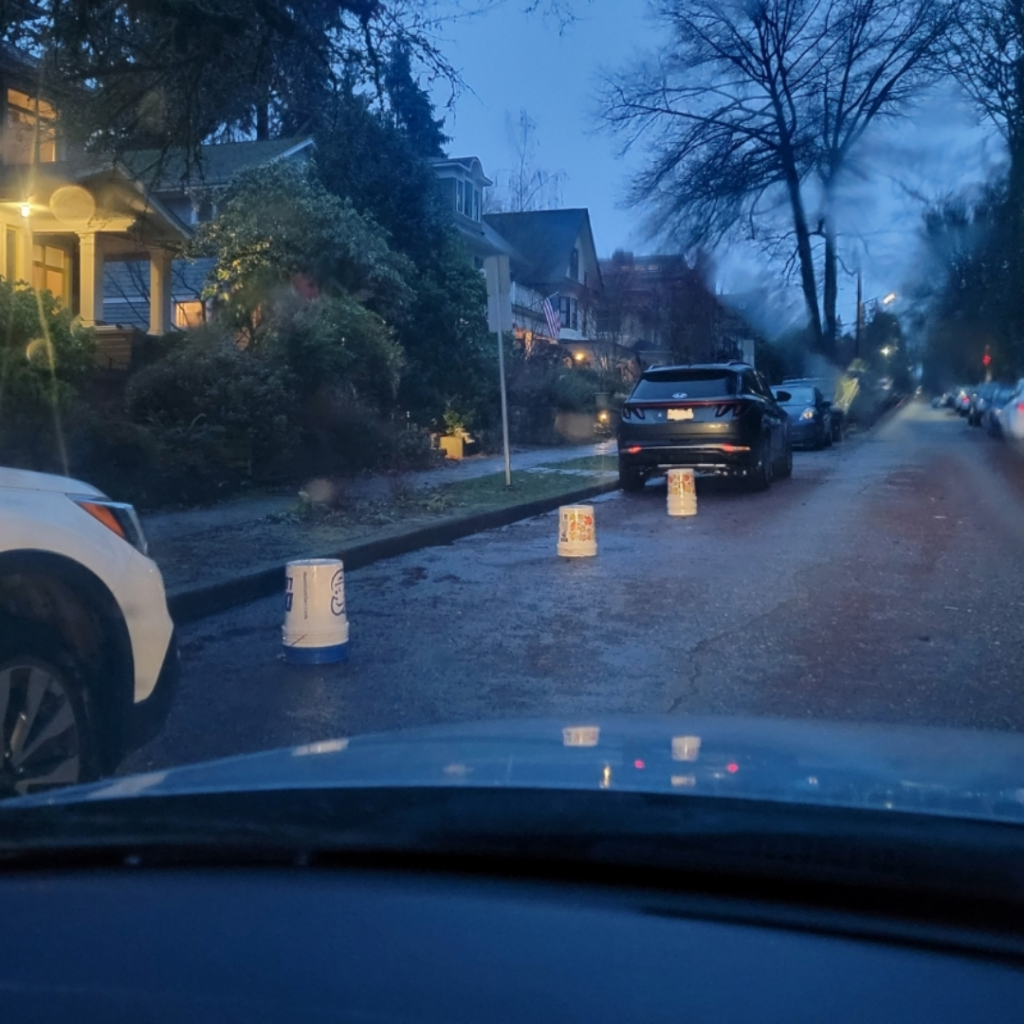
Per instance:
x=721, y=419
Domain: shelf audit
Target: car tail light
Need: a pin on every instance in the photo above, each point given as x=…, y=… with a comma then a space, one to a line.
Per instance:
x=723, y=408
x=1020, y=407
x=735, y=448
x=634, y=450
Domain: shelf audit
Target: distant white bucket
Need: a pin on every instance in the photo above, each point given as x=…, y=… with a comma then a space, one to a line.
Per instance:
x=577, y=535
x=682, y=492
x=315, y=624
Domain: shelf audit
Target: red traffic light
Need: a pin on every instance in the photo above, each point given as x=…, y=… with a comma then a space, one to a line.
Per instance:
x=986, y=359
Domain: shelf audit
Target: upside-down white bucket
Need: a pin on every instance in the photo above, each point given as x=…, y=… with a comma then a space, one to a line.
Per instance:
x=682, y=492
x=315, y=624
x=577, y=535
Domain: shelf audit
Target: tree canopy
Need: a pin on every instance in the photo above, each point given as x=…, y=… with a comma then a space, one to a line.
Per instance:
x=749, y=104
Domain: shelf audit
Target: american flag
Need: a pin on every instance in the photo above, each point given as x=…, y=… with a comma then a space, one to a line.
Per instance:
x=552, y=317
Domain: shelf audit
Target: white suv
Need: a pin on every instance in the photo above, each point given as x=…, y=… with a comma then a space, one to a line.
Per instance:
x=88, y=660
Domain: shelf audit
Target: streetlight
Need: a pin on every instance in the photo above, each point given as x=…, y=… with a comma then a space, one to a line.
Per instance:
x=889, y=299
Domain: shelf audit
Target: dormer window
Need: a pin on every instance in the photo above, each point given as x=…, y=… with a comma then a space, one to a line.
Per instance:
x=31, y=122
x=467, y=199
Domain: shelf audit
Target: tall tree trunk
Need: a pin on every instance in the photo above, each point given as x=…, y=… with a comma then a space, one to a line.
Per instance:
x=808, y=282
x=830, y=289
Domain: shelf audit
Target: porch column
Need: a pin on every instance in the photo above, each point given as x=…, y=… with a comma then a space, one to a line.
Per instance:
x=90, y=278
x=159, y=291
x=23, y=272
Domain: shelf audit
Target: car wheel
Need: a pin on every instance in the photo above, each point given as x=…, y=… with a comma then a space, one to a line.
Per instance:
x=45, y=735
x=785, y=467
x=761, y=478
x=631, y=479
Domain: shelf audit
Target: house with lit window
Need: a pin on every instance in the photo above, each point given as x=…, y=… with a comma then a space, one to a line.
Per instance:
x=554, y=259
x=191, y=191
x=66, y=216
x=551, y=257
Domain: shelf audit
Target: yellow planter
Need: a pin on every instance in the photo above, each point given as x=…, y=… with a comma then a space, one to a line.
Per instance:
x=452, y=446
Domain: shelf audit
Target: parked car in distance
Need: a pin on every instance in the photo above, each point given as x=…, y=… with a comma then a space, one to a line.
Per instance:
x=720, y=419
x=832, y=395
x=991, y=416
x=1011, y=415
x=962, y=401
x=810, y=416
x=88, y=660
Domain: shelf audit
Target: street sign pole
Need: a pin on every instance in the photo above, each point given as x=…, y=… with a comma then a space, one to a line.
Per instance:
x=499, y=318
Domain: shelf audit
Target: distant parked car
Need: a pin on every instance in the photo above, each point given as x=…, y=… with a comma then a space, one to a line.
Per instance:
x=1011, y=415
x=810, y=415
x=831, y=394
x=980, y=398
x=991, y=417
x=962, y=401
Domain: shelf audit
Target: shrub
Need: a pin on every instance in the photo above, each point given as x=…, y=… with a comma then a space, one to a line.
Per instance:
x=336, y=343
x=45, y=358
x=217, y=413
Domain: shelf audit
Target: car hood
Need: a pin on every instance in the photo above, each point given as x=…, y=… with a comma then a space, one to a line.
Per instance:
x=27, y=480
x=934, y=771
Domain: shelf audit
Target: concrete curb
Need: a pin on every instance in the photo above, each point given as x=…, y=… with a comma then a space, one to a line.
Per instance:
x=194, y=603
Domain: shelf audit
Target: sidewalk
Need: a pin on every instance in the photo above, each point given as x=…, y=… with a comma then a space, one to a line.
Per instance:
x=207, y=548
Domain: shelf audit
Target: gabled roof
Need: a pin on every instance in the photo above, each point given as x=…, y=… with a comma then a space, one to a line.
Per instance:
x=217, y=165
x=470, y=164
x=544, y=238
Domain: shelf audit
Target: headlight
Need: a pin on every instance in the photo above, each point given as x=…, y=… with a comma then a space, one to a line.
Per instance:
x=602, y=417
x=808, y=414
x=116, y=516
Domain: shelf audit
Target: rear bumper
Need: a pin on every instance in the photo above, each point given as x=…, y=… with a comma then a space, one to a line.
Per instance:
x=709, y=459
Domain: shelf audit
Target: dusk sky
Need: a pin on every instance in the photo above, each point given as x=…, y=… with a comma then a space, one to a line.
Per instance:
x=511, y=61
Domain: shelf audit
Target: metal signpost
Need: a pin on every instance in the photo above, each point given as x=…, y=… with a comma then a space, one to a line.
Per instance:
x=499, y=320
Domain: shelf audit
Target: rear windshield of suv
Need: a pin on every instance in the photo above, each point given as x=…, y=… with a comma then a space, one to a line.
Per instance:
x=686, y=384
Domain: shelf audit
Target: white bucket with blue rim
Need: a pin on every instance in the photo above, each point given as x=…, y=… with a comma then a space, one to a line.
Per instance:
x=315, y=624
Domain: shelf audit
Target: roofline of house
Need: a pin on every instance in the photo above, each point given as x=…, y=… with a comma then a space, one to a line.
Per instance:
x=151, y=199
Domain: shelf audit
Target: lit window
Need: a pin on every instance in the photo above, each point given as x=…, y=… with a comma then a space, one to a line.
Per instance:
x=50, y=270
x=24, y=114
x=189, y=314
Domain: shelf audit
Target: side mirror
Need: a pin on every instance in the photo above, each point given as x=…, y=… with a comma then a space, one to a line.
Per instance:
x=782, y=396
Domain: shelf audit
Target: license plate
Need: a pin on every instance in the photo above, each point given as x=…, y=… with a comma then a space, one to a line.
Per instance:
x=680, y=414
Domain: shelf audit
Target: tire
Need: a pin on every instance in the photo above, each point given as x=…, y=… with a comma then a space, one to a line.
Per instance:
x=46, y=737
x=631, y=479
x=761, y=478
x=785, y=468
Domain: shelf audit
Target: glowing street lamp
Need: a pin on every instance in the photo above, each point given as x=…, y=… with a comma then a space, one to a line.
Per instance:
x=889, y=299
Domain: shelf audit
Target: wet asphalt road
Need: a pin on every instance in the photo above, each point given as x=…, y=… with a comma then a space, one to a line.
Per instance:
x=882, y=583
